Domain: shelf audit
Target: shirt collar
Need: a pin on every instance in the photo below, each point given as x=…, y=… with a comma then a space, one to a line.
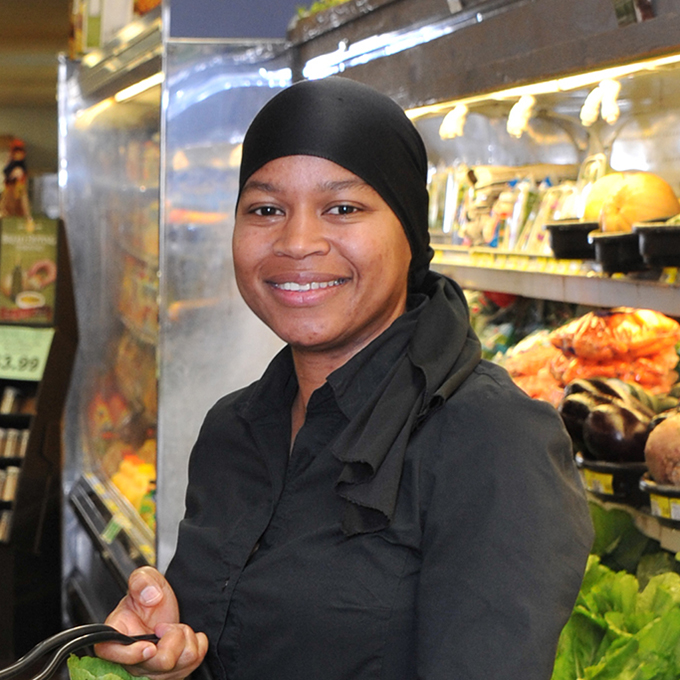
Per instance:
x=353, y=382
x=350, y=384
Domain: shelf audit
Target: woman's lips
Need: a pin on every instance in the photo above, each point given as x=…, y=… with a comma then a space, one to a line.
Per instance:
x=298, y=287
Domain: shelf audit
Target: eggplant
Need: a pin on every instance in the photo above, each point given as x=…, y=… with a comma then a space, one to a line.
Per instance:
x=616, y=433
x=574, y=409
x=616, y=390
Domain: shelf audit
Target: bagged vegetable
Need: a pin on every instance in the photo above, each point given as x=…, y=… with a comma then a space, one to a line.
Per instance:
x=94, y=668
x=654, y=372
x=622, y=332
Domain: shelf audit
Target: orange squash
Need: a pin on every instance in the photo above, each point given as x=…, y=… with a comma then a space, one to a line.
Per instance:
x=642, y=196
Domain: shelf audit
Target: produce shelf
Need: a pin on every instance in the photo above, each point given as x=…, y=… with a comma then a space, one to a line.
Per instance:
x=573, y=281
x=654, y=527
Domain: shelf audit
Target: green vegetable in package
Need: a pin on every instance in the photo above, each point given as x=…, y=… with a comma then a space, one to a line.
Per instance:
x=94, y=668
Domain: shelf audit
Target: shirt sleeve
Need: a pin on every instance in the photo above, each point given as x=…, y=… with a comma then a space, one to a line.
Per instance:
x=506, y=537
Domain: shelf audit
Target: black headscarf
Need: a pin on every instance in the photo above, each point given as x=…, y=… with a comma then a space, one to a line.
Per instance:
x=361, y=130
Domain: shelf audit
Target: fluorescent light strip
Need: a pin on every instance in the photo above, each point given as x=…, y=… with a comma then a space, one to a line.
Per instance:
x=565, y=84
x=139, y=87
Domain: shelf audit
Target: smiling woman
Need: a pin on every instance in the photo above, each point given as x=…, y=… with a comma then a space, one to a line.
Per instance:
x=319, y=256
x=382, y=503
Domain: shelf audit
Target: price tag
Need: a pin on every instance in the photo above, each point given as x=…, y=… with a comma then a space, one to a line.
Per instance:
x=551, y=266
x=660, y=506
x=598, y=482
x=24, y=352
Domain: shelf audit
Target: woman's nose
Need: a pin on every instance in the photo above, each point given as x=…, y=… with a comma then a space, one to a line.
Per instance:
x=301, y=235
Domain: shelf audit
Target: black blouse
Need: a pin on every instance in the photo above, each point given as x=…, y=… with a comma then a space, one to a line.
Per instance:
x=472, y=578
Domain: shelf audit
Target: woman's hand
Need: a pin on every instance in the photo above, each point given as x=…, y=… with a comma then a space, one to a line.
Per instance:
x=150, y=606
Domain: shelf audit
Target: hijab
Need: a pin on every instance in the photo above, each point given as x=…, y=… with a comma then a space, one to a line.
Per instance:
x=363, y=131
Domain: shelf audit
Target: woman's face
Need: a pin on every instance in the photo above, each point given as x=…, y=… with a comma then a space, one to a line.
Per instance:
x=319, y=256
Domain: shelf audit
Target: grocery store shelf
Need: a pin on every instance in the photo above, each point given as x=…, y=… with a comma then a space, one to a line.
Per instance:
x=668, y=536
x=544, y=277
x=666, y=532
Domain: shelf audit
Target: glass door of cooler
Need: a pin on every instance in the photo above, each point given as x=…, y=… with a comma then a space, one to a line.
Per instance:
x=149, y=152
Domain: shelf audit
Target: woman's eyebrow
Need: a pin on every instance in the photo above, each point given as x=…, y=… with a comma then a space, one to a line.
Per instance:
x=339, y=185
x=255, y=185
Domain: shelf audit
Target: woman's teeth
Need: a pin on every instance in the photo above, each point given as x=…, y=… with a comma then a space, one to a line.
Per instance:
x=302, y=287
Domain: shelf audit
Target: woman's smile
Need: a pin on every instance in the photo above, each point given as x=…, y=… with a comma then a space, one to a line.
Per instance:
x=304, y=287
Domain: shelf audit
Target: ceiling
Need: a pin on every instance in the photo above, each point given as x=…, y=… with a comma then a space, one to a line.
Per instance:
x=32, y=34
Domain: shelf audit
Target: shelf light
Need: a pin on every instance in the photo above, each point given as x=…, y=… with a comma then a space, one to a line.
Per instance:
x=141, y=86
x=554, y=85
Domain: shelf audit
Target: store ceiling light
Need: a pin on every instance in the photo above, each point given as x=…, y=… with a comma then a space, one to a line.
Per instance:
x=141, y=86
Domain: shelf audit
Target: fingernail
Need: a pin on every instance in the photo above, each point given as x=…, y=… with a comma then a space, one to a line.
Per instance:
x=148, y=652
x=150, y=595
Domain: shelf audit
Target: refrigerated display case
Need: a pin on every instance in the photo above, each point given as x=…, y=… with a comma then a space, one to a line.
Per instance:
x=150, y=133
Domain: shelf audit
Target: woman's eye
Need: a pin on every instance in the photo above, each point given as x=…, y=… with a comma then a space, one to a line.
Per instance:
x=266, y=211
x=343, y=210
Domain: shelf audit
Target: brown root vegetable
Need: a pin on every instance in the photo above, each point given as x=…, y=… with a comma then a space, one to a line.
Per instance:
x=662, y=451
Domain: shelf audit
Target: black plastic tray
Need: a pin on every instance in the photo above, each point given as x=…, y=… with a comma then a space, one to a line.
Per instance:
x=617, y=252
x=664, y=499
x=569, y=239
x=617, y=482
x=659, y=243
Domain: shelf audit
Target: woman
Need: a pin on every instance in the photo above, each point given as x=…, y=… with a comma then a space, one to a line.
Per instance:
x=381, y=503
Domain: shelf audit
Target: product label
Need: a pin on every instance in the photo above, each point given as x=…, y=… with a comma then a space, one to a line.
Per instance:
x=598, y=482
x=28, y=270
x=659, y=506
x=24, y=352
x=662, y=506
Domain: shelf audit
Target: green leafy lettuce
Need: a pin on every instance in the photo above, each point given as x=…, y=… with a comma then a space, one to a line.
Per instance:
x=618, y=631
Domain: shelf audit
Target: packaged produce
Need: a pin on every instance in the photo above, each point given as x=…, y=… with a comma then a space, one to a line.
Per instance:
x=634, y=346
x=529, y=365
x=94, y=668
x=135, y=479
x=621, y=332
x=655, y=372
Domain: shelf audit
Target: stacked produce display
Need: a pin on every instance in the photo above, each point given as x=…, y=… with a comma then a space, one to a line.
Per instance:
x=620, y=221
x=612, y=375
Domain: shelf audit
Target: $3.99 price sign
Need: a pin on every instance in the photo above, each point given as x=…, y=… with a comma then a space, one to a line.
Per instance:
x=24, y=352
x=19, y=364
